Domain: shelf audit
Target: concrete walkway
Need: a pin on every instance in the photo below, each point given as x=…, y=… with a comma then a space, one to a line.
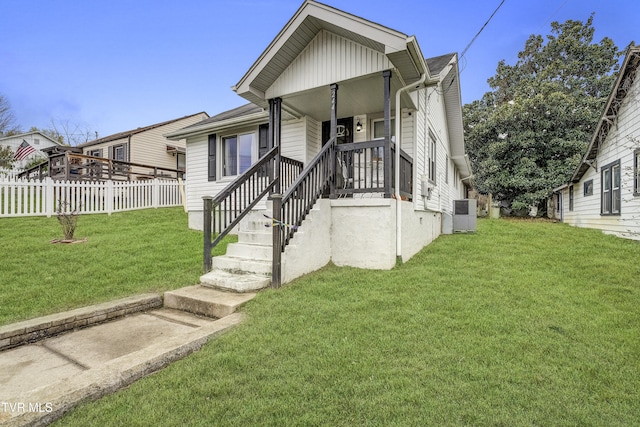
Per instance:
x=43, y=380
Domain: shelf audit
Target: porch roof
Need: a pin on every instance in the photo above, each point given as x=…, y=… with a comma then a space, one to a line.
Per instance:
x=312, y=17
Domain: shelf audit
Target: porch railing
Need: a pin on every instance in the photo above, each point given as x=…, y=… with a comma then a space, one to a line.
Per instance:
x=72, y=166
x=224, y=211
x=360, y=169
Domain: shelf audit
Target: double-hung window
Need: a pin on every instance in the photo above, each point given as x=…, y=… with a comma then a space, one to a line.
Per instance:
x=237, y=153
x=611, y=191
x=378, y=133
x=636, y=173
x=432, y=157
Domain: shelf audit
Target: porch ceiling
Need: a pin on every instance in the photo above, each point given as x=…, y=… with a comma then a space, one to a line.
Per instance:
x=355, y=97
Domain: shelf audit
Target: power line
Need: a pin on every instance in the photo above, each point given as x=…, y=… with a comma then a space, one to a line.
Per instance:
x=485, y=24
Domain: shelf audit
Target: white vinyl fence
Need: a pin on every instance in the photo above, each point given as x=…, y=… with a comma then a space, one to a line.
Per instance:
x=19, y=197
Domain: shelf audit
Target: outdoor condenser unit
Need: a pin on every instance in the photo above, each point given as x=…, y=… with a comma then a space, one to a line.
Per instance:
x=464, y=215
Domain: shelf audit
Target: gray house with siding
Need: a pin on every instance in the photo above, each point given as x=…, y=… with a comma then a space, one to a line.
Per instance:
x=359, y=133
x=145, y=145
x=604, y=191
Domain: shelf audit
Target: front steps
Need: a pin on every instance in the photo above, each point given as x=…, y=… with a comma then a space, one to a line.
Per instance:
x=205, y=301
x=246, y=267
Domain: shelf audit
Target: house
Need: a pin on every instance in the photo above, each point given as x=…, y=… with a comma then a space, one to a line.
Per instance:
x=36, y=143
x=145, y=145
x=360, y=134
x=604, y=191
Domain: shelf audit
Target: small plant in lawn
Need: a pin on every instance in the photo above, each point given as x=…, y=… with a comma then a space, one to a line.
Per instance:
x=68, y=219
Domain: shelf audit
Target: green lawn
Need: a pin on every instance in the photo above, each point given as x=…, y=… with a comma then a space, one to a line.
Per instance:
x=125, y=254
x=522, y=323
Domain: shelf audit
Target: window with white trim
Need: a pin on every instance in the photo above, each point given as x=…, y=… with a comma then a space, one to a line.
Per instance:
x=636, y=173
x=432, y=157
x=237, y=153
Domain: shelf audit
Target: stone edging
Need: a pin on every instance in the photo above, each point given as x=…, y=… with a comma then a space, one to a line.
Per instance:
x=16, y=334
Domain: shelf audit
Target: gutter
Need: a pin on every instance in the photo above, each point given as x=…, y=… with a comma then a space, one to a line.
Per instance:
x=414, y=85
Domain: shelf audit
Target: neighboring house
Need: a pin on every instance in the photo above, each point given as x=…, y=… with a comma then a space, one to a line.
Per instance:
x=604, y=191
x=330, y=83
x=145, y=145
x=36, y=140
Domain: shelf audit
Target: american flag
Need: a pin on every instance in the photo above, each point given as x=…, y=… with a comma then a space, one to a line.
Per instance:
x=23, y=150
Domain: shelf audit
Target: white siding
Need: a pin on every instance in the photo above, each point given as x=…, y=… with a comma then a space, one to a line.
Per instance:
x=35, y=139
x=431, y=117
x=328, y=58
x=293, y=139
x=314, y=137
x=617, y=146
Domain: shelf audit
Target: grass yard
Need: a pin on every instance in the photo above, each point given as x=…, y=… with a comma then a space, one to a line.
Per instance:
x=522, y=323
x=125, y=254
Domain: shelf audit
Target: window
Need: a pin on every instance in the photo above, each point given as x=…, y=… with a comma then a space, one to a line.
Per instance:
x=118, y=153
x=237, y=151
x=36, y=141
x=446, y=169
x=570, y=197
x=378, y=128
x=610, y=177
x=95, y=153
x=636, y=173
x=378, y=133
x=432, y=157
x=588, y=188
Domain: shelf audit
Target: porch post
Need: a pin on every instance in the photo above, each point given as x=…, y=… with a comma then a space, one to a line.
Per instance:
x=275, y=126
x=388, y=160
x=276, y=264
x=207, y=221
x=334, y=134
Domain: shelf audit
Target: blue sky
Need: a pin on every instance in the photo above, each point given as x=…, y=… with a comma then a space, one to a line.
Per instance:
x=115, y=65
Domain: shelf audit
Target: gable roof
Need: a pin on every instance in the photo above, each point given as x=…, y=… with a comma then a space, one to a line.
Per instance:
x=24, y=135
x=621, y=88
x=437, y=64
x=312, y=17
x=126, y=134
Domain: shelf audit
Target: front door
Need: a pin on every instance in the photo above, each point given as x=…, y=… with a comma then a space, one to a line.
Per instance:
x=345, y=131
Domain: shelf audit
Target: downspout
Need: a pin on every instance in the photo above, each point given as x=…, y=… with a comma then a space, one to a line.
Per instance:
x=415, y=85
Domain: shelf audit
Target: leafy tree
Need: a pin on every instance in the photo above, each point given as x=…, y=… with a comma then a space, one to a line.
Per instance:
x=51, y=133
x=6, y=157
x=528, y=134
x=7, y=118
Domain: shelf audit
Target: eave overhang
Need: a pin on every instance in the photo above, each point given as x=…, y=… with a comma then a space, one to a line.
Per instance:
x=621, y=87
x=450, y=87
x=218, y=126
x=403, y=51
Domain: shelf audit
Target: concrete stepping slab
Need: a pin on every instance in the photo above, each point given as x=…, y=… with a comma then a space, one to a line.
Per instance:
x=28, y=367
x=206, y=301
x=92, y=347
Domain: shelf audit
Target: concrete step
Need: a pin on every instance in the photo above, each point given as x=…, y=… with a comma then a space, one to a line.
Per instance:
x=255, y=252
x=205, y=301
x=220, y=279
x=242, y=265
x=254, y=223
x=258, y=237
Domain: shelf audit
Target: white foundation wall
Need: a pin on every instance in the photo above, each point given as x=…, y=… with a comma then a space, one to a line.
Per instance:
x=357, y=233
x=419, y=228
x=363, y=233
x=310, y=248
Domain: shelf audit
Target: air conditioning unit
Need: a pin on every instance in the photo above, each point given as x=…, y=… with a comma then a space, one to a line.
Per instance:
x=464, y=215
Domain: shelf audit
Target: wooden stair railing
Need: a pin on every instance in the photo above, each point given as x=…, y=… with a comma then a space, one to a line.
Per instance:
x=292, y=208
x=224, y=211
